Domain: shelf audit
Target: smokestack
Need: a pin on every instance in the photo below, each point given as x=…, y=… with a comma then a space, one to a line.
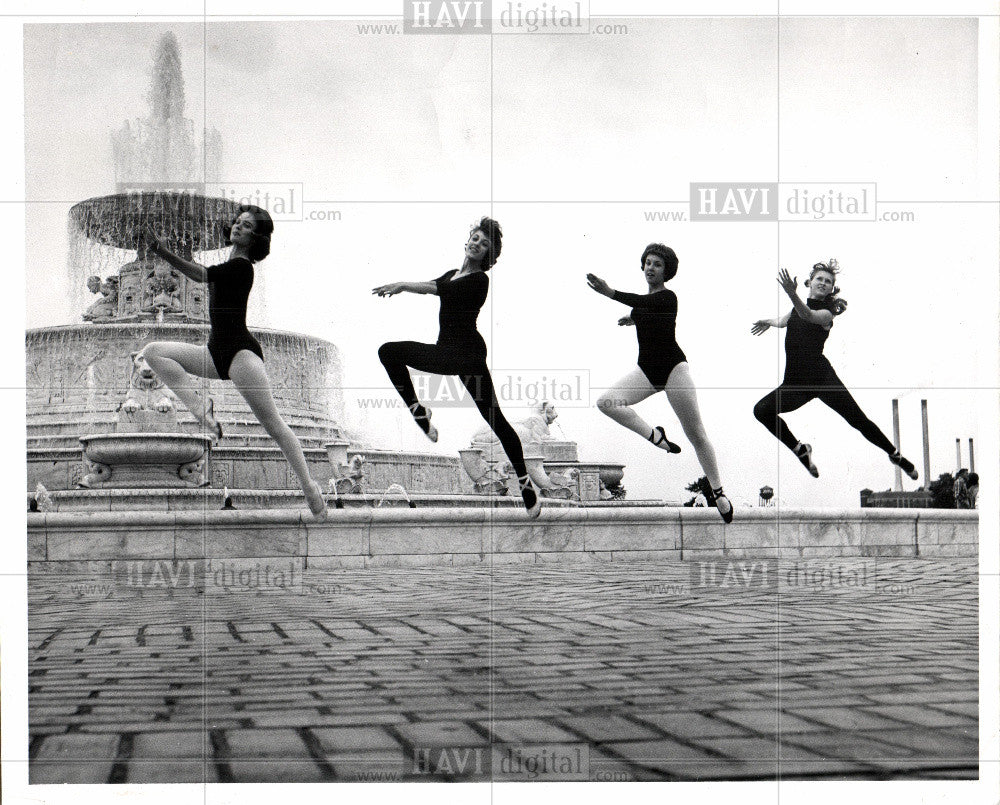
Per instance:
x=927, y=445
x=972, y=457
x=898, y=474
x=958, y=454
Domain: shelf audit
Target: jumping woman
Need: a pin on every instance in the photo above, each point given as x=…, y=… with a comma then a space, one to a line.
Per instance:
x=460, y=349
x=232, y=353
x=662, y=367
x=808, y=374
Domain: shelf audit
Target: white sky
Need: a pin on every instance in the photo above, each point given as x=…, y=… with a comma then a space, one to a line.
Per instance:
x=587, y=134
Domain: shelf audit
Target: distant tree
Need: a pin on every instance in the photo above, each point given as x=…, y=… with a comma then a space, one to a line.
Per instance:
x=701, y=486
x=943, y=491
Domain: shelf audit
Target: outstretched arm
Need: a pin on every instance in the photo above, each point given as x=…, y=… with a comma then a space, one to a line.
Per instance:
x=658, y=302
x=188, y=268
x=763, y=325
x=822, y=317
x=394, y=288
x=641, y=301
x=597, y=284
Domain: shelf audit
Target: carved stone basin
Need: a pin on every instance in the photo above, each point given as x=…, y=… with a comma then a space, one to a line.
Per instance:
x=130, y=460
x=188, y=221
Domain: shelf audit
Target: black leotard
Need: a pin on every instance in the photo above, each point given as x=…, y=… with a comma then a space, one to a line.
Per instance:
x=655, y=317
x=228, y=291
x=461, y=301
x=804, y=358
x=810, y=376
x=460, y=350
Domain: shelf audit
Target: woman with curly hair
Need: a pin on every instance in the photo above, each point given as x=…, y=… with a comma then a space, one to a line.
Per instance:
x=808, y=373
x=662, y=366
x=231, y=353
x=460, y=349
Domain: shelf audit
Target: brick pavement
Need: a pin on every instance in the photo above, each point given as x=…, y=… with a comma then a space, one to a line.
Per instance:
x=616, y=671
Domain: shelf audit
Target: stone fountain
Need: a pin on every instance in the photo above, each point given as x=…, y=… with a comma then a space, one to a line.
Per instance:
x=79, y=376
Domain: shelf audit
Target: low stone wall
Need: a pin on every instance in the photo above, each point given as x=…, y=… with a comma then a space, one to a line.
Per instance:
x=366, y=536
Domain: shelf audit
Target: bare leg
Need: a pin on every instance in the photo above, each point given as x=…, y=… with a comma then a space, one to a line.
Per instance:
x=250, y=378
x=683, y=399
x=616, y=401
x=179, y=365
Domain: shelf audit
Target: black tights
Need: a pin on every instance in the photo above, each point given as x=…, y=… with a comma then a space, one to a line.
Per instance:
x=442, y=359
x=830, y=390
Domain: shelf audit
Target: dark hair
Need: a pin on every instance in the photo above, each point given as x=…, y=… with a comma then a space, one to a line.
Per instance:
x=666, y=254
x=973, y=478
x=260, y=243
x=492, y=230
x=834, y=303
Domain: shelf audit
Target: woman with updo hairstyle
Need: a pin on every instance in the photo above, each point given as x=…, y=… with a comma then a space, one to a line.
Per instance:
x=662, y=366
x=460, y=349
x=232, y=353
x=808, y=373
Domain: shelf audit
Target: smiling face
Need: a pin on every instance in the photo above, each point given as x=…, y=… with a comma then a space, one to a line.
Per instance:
x=653, y=268
x=241, y=233
x=477, y=246
x=821, y=285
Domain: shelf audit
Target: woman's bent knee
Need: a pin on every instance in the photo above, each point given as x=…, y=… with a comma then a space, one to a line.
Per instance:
x=764, y=411
x=387, y=352
x=154, y=351
x=608, y=405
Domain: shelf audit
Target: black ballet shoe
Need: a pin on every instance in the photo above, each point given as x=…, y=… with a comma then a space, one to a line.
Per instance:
x=904, y=464
x=210, y=415
x=423, y=421
x=804, y=453
x=727, y=517
x=532, y=502
x=316, y=502
x=660, y=440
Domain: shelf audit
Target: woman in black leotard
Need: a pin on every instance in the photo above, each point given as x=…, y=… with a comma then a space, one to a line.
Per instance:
x=460, y=349
x=232, y=353
x=808, y=373
x=662, y=367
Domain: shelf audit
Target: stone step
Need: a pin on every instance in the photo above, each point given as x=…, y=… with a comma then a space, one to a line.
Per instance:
x=71, y=445
x=242, y=419
x=70, y=434
x=255, y=500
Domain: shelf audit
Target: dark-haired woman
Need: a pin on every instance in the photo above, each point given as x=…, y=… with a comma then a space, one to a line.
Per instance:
x=460, y=349
x=808, y=373
x=232, y=353
x=662, y=367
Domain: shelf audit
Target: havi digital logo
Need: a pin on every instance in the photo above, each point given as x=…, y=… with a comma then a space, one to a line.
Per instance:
x=783, y=201
x=722, y=201
x=446, y=16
